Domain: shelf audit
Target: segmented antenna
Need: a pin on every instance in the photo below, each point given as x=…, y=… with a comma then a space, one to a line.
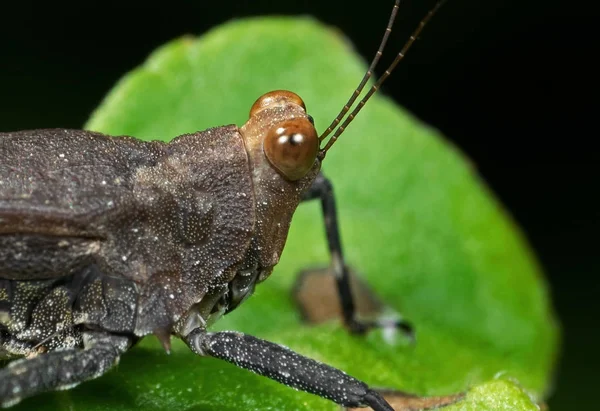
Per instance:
x=367, y=75
x=379, y=82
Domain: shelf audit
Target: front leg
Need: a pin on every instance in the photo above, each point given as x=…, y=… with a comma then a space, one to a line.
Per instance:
x=322, y=189
x=57, y=370
x=285, y=366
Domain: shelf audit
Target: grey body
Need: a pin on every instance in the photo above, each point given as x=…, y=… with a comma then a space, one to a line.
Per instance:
x=118, y=234
x=104, y=240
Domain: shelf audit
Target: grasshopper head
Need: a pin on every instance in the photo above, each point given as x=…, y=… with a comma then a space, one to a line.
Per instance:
x=284, y=133
x=285, y=152
x=282, y=146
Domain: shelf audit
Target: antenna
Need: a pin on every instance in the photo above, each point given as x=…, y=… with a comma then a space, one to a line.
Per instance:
x=367, y=75
x=378, y=84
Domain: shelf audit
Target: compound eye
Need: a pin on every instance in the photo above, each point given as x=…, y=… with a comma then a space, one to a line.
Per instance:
x=277, y=97
x=292, y=147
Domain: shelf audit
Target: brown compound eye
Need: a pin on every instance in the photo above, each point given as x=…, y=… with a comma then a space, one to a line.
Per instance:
x=277, y=97
x=292, y=147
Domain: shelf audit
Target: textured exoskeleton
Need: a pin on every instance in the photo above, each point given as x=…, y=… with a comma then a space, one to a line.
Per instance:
x=104, y=240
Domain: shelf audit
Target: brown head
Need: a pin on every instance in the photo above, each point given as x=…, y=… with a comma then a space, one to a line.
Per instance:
x=286, y=152
x=282, y=146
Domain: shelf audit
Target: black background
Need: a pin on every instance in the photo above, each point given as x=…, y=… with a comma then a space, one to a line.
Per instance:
x=510, y=82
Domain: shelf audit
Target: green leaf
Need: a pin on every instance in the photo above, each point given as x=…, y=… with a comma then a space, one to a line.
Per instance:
x=416, y=221
x=497, y=395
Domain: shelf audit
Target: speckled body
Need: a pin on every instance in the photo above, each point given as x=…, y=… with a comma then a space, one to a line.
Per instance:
x=131, y=237
x=104, y=240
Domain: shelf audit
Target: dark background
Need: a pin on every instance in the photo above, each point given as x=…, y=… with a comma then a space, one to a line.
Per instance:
x=521, y=72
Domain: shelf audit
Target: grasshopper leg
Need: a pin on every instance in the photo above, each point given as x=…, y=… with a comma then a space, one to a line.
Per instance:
x=62, y=369
x=322, y=189
x=283, y=365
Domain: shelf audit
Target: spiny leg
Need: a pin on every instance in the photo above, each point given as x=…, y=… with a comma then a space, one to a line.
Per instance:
x=57, y=370
x=285, y=366
x=322, y=189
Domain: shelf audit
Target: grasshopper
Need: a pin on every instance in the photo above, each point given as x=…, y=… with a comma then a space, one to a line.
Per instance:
x=105, y=240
